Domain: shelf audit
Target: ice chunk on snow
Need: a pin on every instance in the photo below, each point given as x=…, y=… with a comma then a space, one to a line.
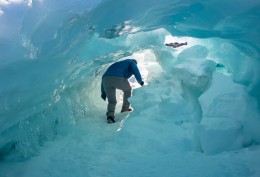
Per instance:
x=195, y=72
x=228, y=116
x=219, y=134
x=225, y=99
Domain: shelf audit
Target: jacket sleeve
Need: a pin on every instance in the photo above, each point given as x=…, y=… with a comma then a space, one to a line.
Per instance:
x=102, y=89
x=136, y=72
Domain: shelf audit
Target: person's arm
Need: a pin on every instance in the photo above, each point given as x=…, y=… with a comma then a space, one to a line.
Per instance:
x=102, y=89
x=103, y=93
x=137, y=73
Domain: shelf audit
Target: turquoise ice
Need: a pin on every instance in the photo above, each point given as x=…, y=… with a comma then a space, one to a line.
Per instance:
x=197, y=115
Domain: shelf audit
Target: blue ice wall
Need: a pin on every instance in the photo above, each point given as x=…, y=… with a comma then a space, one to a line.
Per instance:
x=52, y=52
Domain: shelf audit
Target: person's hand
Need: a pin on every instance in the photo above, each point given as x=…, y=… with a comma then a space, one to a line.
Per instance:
x=142, y=83
x=103, y=96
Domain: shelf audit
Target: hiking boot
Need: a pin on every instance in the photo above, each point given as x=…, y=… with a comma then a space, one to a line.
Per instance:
x=127, y=110
x=110, y=119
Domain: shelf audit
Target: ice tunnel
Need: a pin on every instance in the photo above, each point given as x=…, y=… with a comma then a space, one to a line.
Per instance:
x=198, y=110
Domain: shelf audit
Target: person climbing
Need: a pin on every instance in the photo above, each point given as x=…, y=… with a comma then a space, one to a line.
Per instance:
x=116, y=77
x=176, y=44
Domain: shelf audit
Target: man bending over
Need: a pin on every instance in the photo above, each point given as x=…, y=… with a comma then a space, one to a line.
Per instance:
x=116, y=77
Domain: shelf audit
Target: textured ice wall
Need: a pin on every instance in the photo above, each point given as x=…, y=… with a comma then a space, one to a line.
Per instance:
x=53, y=52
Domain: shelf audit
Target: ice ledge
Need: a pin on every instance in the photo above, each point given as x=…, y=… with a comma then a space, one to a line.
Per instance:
x=229, y=117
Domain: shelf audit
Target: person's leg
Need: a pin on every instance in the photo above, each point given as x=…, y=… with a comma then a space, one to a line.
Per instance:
x=126, y=104
x=127, y=89
x=111, y=95
x=110, y=85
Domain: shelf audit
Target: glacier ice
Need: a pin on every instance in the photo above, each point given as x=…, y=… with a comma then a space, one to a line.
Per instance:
x=198, y=110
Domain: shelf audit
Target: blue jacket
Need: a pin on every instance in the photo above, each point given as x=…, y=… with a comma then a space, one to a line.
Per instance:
x=125, y=68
